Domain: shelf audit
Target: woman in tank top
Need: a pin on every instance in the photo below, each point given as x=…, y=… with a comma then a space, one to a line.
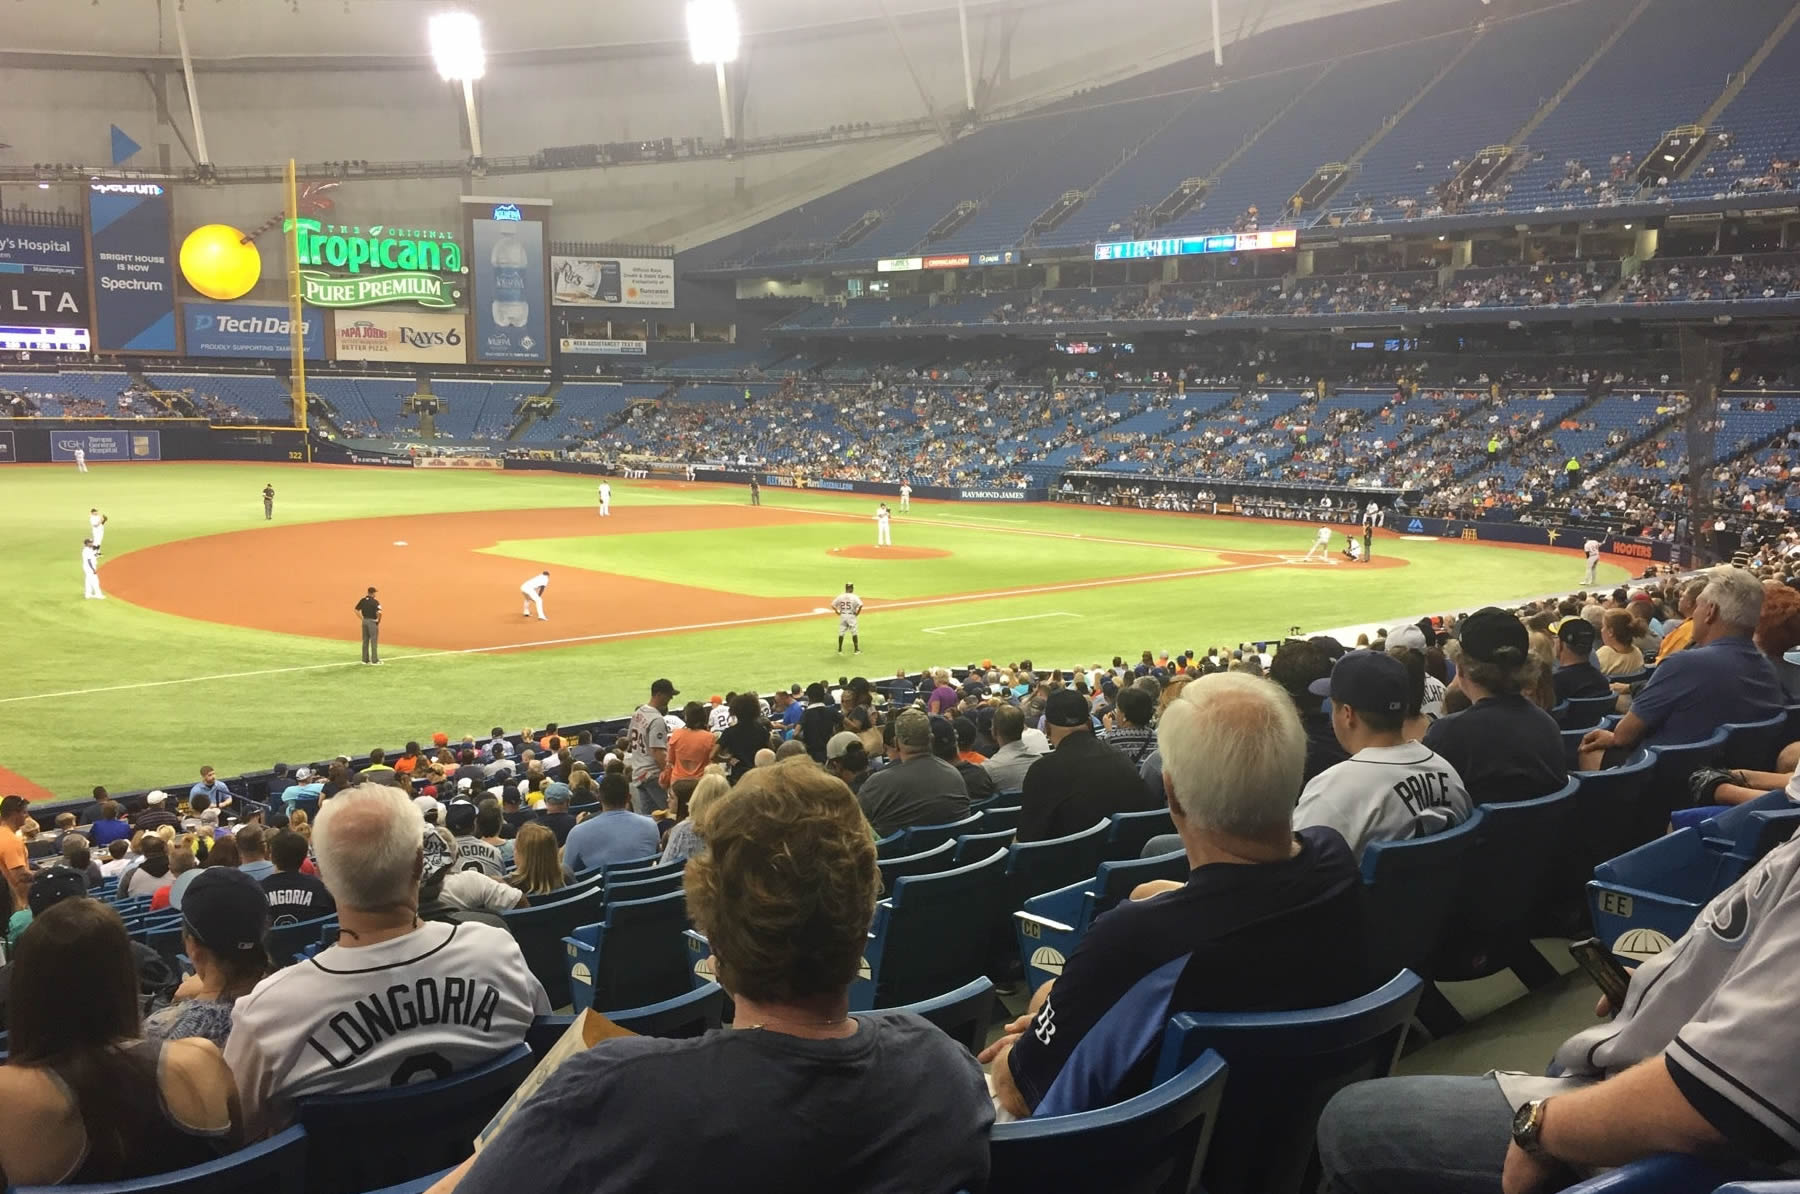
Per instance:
x=87, y=1098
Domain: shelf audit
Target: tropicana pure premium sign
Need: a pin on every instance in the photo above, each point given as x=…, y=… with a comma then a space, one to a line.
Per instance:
x=344, y=266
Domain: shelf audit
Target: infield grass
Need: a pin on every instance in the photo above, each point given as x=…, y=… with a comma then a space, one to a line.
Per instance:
x=110, y=693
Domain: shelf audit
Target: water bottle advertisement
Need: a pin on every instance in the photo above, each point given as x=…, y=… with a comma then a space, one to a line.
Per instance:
x=511, y=292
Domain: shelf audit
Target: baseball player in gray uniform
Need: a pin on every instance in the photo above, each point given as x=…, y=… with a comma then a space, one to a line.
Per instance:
x=1389, y=789
x=1699, y=1059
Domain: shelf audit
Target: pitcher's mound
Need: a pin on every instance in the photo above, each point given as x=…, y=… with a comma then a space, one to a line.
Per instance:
x=868, y=551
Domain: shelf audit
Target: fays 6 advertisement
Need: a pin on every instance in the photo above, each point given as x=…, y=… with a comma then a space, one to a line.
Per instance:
x=400, y=336
x=511, y=291
x=133, y=275
x=249, y=330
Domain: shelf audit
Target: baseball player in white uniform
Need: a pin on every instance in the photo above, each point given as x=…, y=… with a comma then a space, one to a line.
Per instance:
x=1321, y=547
x=1389, y=789
x=533, y=592
x=905, y=497
x=883, y=536
x=90, y=570
x=1592, y=549
x=96, y=527
x=81, y=460
x=848, y=605
x=605, y=499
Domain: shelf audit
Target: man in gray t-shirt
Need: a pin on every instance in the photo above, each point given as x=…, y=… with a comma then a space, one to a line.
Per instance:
x=1699, y=1060
x=919, y=789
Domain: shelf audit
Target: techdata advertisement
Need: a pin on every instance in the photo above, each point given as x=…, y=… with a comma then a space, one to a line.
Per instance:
x=511, y=291
x=134, y=272
x=249, y=330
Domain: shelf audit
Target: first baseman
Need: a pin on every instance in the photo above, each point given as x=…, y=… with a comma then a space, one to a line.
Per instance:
x=848, y=605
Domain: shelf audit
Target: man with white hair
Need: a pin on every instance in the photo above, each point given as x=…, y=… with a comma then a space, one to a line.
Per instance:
x=1268, y=919
x=396, y=1000
x=1721, y=678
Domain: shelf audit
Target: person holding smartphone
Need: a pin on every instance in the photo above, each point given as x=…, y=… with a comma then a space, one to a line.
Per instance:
x=1698, y=1059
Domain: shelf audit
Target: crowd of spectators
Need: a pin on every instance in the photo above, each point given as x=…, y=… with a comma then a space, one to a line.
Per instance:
x=1713, y=279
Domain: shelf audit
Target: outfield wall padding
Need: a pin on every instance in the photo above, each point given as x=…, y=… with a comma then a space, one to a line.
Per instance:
x=126, y=441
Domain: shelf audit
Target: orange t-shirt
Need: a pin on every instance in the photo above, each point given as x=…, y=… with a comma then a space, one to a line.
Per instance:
x=689, y=753
x=14, y=855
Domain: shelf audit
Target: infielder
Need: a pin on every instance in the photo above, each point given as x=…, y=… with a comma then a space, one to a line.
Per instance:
x=90, y=571
x=605, y=499
x=1592, y=548
x=96, y=527
x=884, y=537
x=905, y=497
x=533, y=591
x=81, y=460
x=1321, y=547
x=755, y=492
x=268, y=501
x=848, y=606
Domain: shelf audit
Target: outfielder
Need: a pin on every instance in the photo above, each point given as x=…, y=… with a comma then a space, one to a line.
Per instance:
x=90, y=571
x=533, y=592
x=1592, y=548
x=848, y=606
x=884, y=537
x=96, y=527
x=81, y=460
x=268, y=501
x=1321, y=547
x=605, y=499
x=905, y=497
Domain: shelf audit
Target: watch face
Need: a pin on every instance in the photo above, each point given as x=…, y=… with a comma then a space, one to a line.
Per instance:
x=1522, y=1120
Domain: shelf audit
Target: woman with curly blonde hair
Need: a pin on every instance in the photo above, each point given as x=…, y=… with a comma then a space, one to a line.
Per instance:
x=784, y=892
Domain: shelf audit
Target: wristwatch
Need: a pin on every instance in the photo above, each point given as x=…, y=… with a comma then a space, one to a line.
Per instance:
x=1528, y=1128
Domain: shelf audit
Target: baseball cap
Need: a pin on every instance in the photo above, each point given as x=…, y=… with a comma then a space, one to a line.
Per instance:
x=558, y=791
x=1577, y=634
x=427, y=805
x=58, y=883
x=440, y=739
x=225, y=910
x=1491, y=635
x=662, y=686
x=459, y=816
x=465, y=784
x=943, y=735
x=157, y=797
x=303, y=773
x=912, y=729
x=1407, y=636
x=1066, y=708
x=840, y=744
x=1372, y=681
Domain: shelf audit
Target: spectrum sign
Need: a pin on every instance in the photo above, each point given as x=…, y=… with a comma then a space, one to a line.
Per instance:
x=406, y=265
x=1185, y=246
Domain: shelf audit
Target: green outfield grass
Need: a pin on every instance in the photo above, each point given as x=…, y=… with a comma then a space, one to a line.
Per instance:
x=109, y=693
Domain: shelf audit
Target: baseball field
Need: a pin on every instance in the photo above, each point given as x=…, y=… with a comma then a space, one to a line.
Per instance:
x=231, y=640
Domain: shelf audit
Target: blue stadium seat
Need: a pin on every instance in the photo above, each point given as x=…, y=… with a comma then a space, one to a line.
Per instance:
x=1571, y=742
x=633, y=958
x=1052, y=924
x=964, y=1014
x=1668, y=788
x=375, y=1138
x=1584, y=713
x=918, y=838
x=1000, y=815
x=971, y=846
x=540, y=928
x=273, y=1166
x=1753, y=745
x=692, y=1013
x=1285, y=1066
x=286, y=942
x=611, y=869
x=1036, y=867
x=1664, y=1173
x=1155, y=1143
x=940, y=857
x=1412, y=889
x=1129, y=833
x=1608, y=819
x=642, y=889
x=1661, y=887
x=1781, y=1187
x=933, y=934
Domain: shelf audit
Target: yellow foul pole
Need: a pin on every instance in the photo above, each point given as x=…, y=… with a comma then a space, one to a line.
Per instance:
x=296, y=309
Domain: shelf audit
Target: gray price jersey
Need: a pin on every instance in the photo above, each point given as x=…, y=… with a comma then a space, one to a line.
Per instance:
x=1385, y=794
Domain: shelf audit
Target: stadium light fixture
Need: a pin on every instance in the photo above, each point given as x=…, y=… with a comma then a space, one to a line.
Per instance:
x=713, y=41
x=455, y=39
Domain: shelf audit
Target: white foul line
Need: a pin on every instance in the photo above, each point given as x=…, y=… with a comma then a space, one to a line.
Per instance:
x=622, y=634
x=994, y=622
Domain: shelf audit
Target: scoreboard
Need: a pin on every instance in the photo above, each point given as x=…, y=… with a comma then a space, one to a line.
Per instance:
x=1183, y=246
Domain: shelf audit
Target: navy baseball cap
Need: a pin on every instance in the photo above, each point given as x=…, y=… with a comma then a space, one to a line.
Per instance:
x=225, y=910
x=1373, y=681
x=55, y=884
x=1066, y=708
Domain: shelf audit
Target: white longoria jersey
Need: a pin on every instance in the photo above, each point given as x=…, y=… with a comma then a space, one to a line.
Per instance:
x=440, y=999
